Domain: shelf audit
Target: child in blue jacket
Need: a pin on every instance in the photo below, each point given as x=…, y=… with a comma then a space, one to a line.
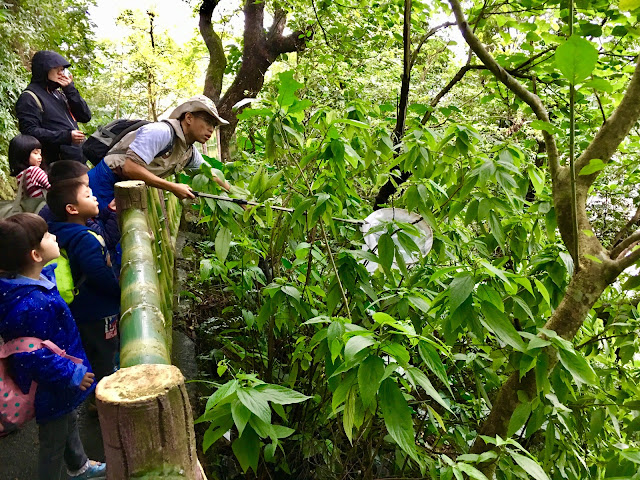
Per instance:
x=105, y=224
x=30, y=306
x=96, y=305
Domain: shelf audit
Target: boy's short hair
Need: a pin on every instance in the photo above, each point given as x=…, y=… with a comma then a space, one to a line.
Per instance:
x=64, y=170
x=19, y=234
x=20, y=148
x=61, y=195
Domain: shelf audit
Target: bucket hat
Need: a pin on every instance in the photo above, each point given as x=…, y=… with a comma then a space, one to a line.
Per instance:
x=199, y=103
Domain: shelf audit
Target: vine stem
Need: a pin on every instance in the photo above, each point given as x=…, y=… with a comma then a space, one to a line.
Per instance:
x=335, y=269
x=572, y=166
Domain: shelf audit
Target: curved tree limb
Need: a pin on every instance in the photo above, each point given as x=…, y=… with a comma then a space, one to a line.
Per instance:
x=425, y=37
x=633, y=221
x=261, y=48
x=511, y=83
x=614, y=131
x=217, y=58
x=619, y=249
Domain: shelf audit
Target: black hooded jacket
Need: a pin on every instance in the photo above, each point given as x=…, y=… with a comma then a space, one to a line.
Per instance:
x=61, y=109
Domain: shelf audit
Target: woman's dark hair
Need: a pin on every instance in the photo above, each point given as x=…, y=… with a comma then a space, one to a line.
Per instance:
x=19, y=234
x=20, y=148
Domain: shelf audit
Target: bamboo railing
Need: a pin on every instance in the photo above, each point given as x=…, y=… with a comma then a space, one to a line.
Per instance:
x=149, y=219
x=147, y=424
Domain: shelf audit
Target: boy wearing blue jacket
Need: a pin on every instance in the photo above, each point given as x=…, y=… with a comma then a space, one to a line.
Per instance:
x=30, y=306
x=96, y=305
x=105, y=224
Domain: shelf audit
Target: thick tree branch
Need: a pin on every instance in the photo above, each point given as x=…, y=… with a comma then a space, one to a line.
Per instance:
x=629, y=257
x=510, y=82
x=217, y=58
x=614, y=131
x=426, y=37
x=619, y=249
x=447, y=88
x=261, y=48
x=633, y=222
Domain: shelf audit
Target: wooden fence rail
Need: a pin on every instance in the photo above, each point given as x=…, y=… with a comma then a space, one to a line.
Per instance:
x=145, y=416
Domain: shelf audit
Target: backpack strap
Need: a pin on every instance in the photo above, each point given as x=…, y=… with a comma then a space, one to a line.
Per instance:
x=135, y=126
x=169, y=147
x=30, y=344
x=36, y=98
x=20, y=345
x=116, y=138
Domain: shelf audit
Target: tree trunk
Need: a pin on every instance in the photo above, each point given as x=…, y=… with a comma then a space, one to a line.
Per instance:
x=584, y=290
x=147, y=425
x=261, y=49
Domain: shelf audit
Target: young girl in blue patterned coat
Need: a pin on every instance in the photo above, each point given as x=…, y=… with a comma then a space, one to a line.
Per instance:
x=30, y=306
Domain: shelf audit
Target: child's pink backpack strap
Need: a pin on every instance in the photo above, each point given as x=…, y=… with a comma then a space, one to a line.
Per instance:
x=16, y=407
x=20, y=345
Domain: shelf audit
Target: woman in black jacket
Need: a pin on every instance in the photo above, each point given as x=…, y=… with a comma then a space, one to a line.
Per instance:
x=51, y=107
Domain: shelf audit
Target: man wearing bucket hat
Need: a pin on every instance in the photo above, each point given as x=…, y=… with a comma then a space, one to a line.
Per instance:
x=51, y=107
x=140, y=154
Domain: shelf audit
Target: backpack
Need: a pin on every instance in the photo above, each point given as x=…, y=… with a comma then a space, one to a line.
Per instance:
x=16, y=407
x=96, y=147
x=67, y=288
x=20, y=204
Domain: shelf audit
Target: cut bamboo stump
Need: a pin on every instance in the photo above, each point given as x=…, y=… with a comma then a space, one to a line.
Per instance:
x=147, y=425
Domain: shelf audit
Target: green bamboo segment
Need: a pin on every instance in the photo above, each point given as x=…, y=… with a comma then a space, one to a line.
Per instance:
x=149, y=224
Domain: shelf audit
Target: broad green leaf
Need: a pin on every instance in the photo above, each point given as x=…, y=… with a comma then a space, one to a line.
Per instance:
x=281, y=431
x=349, y=413
x=459, y=290
x=419, y=302
x=578, y=366
x=519, y=418
x=287, y=88
x=528, y=465
x=543, y=291
x=537, y=178
x=223, y=243
x=546, y=126
x=576, y=59
x=632, y=283
x=214, y=433
x=256, y=402
x=280, y=395
x=473, y=472
x=291, y=291
x=397, y=417
x=496, y=228
x=629, y=5
x=370, y=374
x=246, y=448
x=240, y=414
x=599, y=84
x=397, y=351
x=355, y=344
x=383, y=318
x=497, y=322
x=433, y=362
x=421, y=379
x=224, y=391
x=386, y=251
x=595, y=165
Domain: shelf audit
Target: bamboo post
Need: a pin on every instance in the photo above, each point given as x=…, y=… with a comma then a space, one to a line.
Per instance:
x=143, y=337
x=147, y=425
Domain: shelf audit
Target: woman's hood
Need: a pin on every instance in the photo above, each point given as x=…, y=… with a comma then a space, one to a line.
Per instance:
x=42, y=62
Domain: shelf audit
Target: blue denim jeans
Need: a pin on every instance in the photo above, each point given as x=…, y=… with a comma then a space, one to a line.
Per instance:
x=60, y=445
x=102, y=181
